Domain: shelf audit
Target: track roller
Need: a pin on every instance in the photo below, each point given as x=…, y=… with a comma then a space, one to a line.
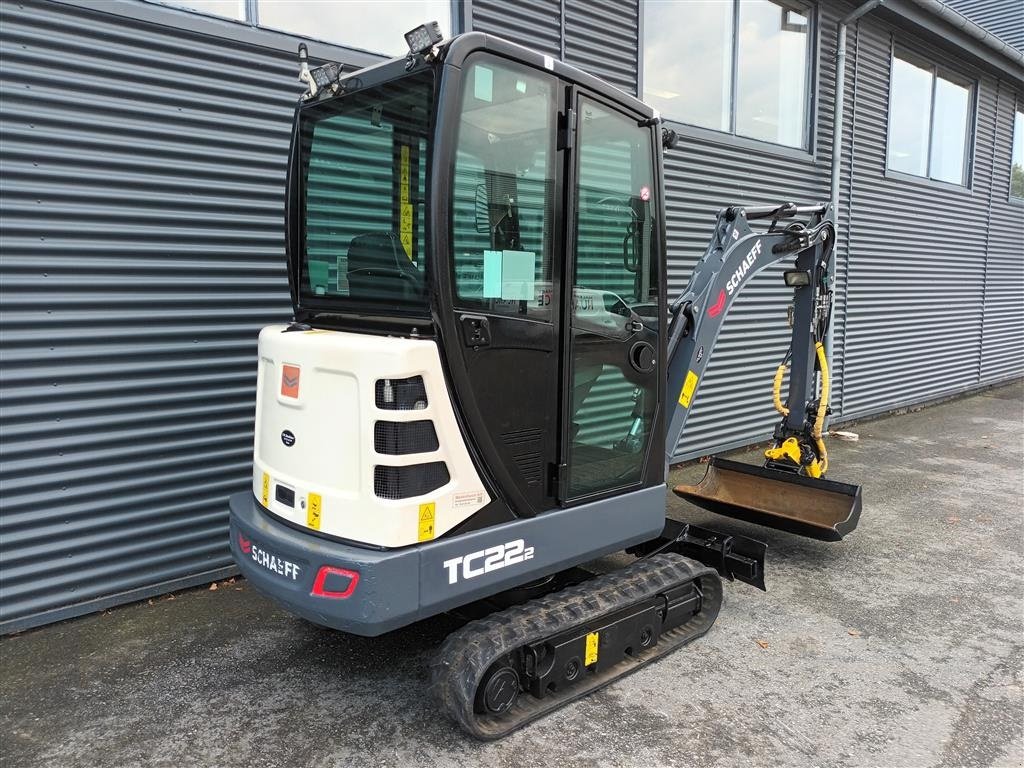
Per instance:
x=499, y=673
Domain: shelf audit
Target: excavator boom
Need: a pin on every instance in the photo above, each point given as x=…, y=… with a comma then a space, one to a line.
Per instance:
x=787, y=493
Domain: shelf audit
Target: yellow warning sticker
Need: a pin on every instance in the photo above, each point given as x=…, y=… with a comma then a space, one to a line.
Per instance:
x=405, y=210
x=689, y=386
x=313, y=507
x=265, y=496
x=426, y=521
x=590, y=657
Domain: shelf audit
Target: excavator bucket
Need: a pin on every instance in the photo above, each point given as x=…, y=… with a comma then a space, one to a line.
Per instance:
x=807, y=506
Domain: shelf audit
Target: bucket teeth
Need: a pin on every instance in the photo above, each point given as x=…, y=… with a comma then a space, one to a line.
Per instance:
x=812, y=507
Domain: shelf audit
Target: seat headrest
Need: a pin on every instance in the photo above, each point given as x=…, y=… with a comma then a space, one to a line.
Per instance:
x=377, y=250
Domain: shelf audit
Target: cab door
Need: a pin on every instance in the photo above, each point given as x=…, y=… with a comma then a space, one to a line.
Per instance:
x=614, y=352
x=506, y=258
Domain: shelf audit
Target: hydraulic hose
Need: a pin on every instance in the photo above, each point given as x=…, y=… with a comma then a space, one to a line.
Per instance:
x=777, y=390
x=819, y=421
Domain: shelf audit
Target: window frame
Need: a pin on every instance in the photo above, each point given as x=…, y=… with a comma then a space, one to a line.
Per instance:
x=1018, y=108
x=951, y=75
x=808, y=148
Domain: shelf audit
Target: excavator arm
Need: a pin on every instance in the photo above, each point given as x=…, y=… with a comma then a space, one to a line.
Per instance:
x=787, y=492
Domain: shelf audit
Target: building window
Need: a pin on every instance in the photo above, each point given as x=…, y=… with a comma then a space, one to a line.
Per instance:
x=1017, y=157
x=378, y=27
x=735, y=66
x=369, y=25
x=929, y=121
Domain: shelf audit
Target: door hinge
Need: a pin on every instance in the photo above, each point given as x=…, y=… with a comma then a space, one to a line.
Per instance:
x=558, y=480
x=567, y=132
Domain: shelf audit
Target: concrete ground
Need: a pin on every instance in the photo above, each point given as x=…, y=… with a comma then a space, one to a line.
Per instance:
x=901, y=646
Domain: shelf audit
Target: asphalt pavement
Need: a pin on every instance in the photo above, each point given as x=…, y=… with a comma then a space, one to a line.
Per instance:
x=901, y=646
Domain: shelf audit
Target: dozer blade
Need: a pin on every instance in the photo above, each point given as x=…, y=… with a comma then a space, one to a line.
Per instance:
x=807, y=506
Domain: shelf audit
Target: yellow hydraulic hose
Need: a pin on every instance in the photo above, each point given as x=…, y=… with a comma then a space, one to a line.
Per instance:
x=777, y=391
x=819, y=421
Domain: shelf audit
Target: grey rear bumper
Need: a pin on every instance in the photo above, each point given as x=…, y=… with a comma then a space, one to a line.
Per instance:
x=399, y=586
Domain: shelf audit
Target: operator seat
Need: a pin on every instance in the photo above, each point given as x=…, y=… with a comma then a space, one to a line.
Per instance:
x=379, y=269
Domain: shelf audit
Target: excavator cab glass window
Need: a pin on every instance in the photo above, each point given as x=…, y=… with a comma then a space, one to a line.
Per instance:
x=615, y=306
x=363, y=199
x=503, y=190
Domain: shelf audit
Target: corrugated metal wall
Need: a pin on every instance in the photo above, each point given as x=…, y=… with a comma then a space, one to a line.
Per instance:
x=142, y=173
x=1004, y=18
x=1002, y=330
x=601, y=38
x=933, y=268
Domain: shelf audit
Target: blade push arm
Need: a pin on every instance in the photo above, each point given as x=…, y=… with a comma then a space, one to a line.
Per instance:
x=735, y=254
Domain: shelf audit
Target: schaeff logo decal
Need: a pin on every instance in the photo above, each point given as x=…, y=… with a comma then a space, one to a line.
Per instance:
x=743, y=268
x=266, y=560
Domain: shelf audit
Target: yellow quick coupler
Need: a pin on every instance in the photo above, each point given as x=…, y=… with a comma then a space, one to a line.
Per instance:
x=791, y=450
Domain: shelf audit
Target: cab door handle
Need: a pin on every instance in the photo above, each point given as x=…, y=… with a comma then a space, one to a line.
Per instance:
x=476, y=331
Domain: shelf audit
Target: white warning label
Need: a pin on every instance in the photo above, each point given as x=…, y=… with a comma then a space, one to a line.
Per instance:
x=468, y=499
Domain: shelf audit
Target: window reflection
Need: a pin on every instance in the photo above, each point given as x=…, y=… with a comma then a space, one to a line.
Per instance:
x=1017, y=157
x=371, y=26
x=771, y=84
x=692, y=49
x=928, y=122
x=909, y=118
x=952, y=103
x=688, y=61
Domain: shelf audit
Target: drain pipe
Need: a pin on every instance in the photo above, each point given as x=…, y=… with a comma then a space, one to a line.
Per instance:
x=837, y=144
x=837, y=112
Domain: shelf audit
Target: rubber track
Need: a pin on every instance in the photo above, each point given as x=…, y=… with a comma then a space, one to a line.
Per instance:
x=466, y=654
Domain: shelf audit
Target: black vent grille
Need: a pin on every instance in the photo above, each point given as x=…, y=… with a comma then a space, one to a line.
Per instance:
x=405, y=482
x=525, y=447
x=397, y=438
x=401, y=394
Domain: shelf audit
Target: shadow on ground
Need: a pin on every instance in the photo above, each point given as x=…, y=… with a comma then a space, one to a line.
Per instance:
x=901, y=646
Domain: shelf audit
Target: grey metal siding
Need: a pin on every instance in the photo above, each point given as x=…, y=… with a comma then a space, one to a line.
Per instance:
x=1003, y=18
x=601, y=38
x=918, y=297
x=534, y=23
x=142, y=172
x=1002, y=332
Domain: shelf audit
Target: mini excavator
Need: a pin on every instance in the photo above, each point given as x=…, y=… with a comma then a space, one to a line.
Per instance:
x=484, y=381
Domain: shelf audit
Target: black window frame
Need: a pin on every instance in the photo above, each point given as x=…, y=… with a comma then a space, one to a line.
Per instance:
x=808, y=147
x=951, y=75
